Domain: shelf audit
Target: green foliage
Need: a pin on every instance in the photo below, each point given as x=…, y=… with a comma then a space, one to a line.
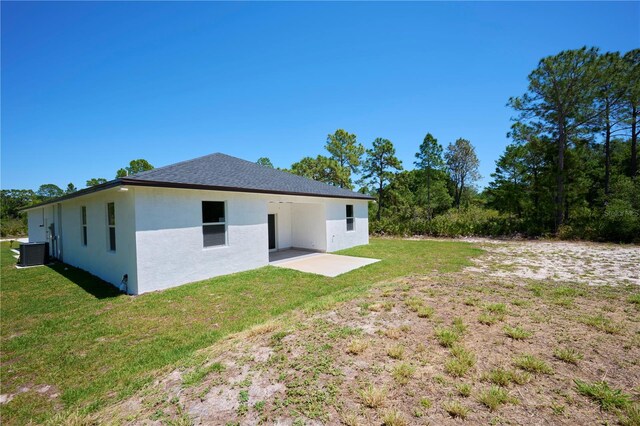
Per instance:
x=601, y=393
x=265, y=161
x=13, y=227
x=134, y=167
x=11, y=200
x=321, y=168
x=347, y=154
x=429, y=159
x=95, y=181
x=473, y=221
x=462, y=164
x=71, y=188
x=378, y=167
x=496, y=396
x=49, y=191
x=532, y=364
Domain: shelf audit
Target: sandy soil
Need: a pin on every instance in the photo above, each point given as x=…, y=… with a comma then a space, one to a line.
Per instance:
x=316, y=368
x=588, y=263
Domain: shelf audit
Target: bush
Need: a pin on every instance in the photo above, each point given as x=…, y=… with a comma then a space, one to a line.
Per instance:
x=473, y=221
x=11, y=227
x=620, y=222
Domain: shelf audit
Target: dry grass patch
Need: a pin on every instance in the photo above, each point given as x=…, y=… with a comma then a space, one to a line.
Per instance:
x=502, y=377
x=447, y=337
x=414, y=303
x=568, y=355
x=517, y=332
x=372, y=396
x=602, y=323
x=261, y=329
x=403, y=372
x=393, y=417
x=381, y=306
x=396, y=351
x=464, y=389
x=488, y=318
x=455, y=409
x=532, y=364
x=357, y=346
x=463, y=360
x=425, y=312
x=496, y=396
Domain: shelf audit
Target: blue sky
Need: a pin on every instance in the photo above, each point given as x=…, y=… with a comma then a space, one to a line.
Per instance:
x=86, y=87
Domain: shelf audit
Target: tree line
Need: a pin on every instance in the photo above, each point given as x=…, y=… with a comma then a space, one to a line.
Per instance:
x=571, y=169
x=13, y=223
x=442, y=178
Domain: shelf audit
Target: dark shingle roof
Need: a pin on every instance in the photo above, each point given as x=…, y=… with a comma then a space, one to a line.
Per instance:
x=226, y=173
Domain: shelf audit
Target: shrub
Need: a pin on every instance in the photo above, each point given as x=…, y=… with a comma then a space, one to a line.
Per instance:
x=10, y=227
x=472, y=221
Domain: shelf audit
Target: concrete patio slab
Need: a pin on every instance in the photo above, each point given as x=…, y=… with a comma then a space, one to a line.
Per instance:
x=329, y=265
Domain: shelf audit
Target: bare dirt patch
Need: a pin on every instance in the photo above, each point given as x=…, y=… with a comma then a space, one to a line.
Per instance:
x=429, y=350
x=581, y=262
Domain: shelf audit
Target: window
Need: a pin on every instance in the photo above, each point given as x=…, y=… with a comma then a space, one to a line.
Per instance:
x=214, y=225
x=111, y=225
x=350, y=221
x=84, y=225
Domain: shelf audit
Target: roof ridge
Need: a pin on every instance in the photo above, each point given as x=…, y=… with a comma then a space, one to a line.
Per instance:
x=176, y=164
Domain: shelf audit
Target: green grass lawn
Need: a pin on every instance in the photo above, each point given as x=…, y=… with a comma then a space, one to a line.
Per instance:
x=65, y=328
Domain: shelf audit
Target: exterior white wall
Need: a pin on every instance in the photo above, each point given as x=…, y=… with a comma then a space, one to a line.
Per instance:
x=170, y=242
x=95, y=257
x=282, y=210
x=37, y=221
x=308, y=226
x=159, y=232
x=338, y=238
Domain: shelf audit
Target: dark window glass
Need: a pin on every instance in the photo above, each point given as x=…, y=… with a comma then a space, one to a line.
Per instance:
x=112, y=239
x=349, y=210
x=84, y=225
x=213, y=235
x=111, y=214
x=349, y=217
x=349, y=224
x=212, y=211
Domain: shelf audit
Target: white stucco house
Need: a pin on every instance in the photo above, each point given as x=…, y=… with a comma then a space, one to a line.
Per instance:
x=196, y=219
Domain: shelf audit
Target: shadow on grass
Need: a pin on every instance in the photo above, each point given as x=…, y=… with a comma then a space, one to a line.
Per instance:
x=93, y=285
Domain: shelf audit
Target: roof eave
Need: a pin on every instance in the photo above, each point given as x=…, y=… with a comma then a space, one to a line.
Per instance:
x=80, y=193
x=160, y=184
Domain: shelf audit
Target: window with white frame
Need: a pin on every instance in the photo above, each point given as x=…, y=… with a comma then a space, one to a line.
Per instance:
x=214, y=224
x=83, y=213
x=111, y=225
x=350, y=219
